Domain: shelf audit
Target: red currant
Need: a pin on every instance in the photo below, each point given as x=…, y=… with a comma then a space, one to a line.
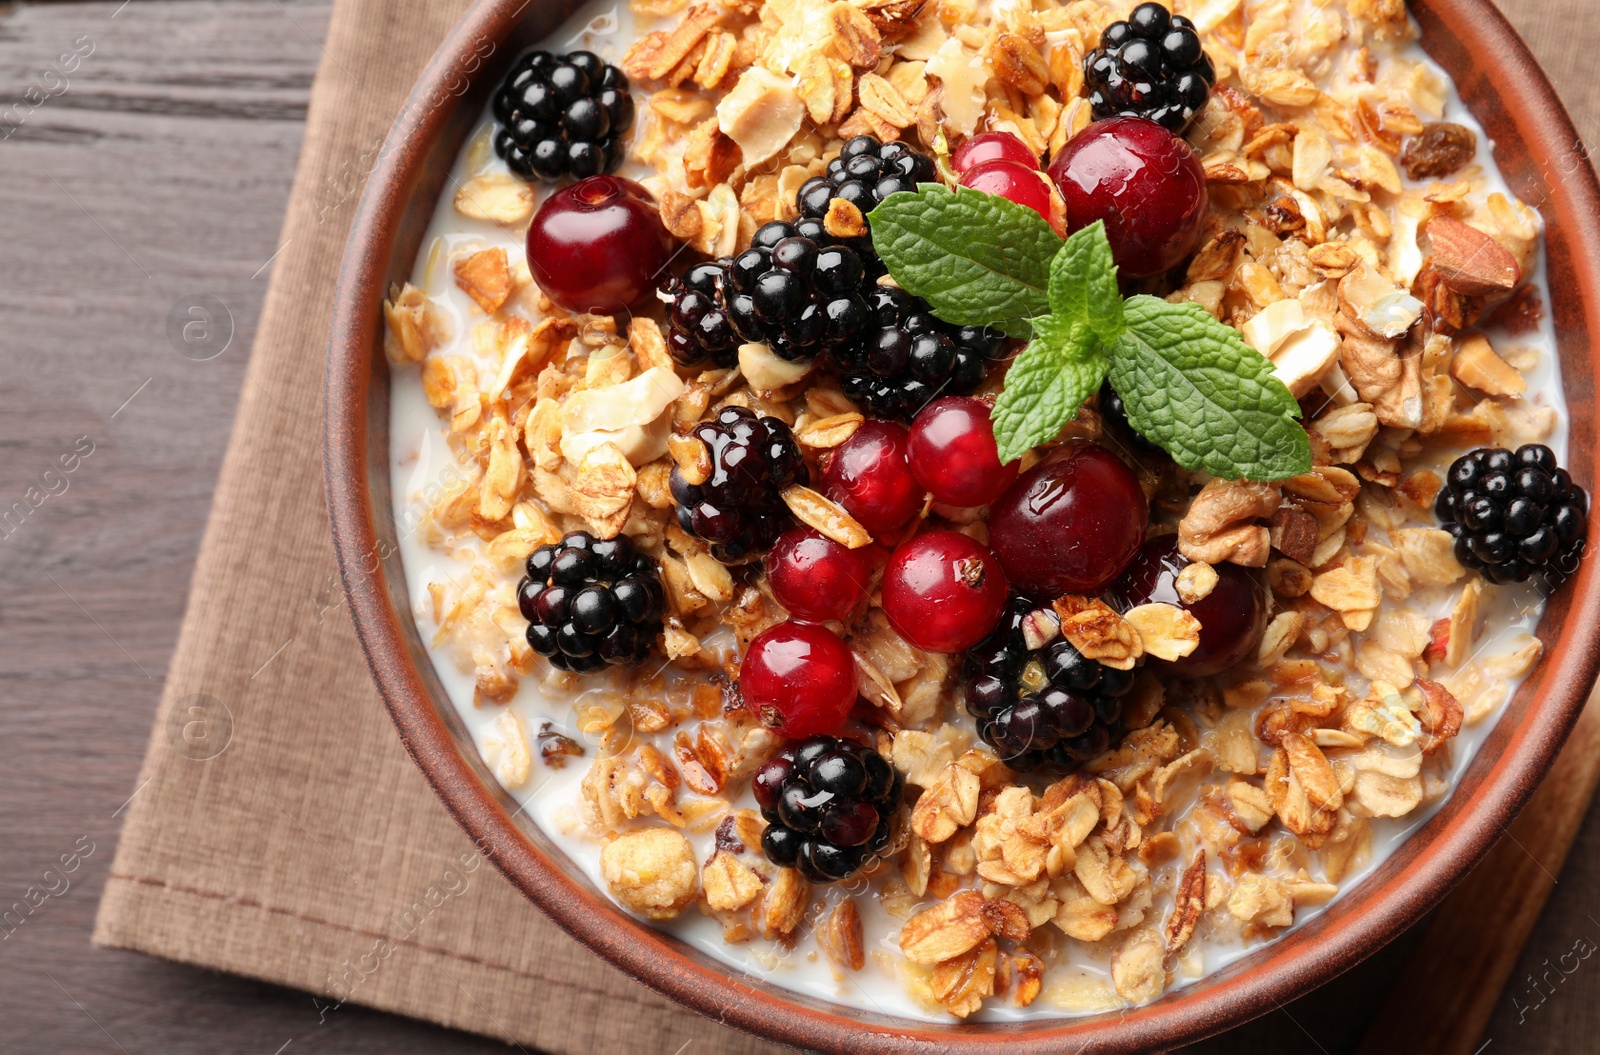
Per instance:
x=1231, y=616
x=1013, y=182
x=799, y=679
x=870, y=477
x=815, y=578
x=953, y=453
x=943, y=591
x=991, y=146
x=1071, y=524
x=598, y=245
x=1144, y=182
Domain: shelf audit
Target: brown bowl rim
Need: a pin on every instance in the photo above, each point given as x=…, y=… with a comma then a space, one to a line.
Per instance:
x=1270, y=977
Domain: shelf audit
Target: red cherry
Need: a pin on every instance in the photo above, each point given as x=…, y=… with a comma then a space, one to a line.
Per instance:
x=1071, y=524
x=598, y=245
x=799, y=679
x=1144, y=182
x=953, y=454
x=814, y=577
x=870, y=477
x=1231, y=616
x=1013, y=182
x=991, y=146
x=943, y=591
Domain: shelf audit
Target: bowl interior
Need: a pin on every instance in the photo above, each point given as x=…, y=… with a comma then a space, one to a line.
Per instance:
x=1545, y=164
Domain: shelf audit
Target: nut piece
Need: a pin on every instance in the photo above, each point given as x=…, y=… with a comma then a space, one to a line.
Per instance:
x=1477, y=365
x=1469, y=261
x=1221, y=523
x=651, y=871
x=1099, y=632
x=761, y=114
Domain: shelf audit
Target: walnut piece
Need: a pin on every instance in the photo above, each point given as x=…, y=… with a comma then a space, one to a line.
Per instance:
x=1222, y=523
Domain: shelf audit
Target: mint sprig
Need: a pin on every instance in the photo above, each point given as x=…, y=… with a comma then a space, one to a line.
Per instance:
x=1188, y=382
x=983, y=260
x=1066, y=360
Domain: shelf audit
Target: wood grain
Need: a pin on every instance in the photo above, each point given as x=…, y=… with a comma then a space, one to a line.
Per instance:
x=160, y=173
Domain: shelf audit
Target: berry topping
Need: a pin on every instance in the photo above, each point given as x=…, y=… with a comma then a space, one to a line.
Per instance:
x=906, y=357
x=598, y=245
x=1150, y=66
x=1513, y=513
x=566, y=116
x=796, y=291
x=992, y=146
x=816, y=578
x=865, y=172
x=1144, y=182
x=798, y=679
x=830, y=805
x=738, y=508
x=869, y=475
x=1231, y=616
x=953, y=454
x=943, y=591
x=1046, y=706
x=1071, y=524
x=1021, y=184
x=699, y=328
x=591, y=601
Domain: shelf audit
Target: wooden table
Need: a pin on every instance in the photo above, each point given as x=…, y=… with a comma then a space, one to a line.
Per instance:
x=152, y=173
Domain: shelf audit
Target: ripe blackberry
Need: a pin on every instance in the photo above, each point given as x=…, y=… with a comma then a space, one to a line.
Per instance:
x=699, y=328
x=830, y=805
x=564, y=116
x=865, y=172
x=738, y=509
x=590, y=602
x=1513, y=513
x=907, y=358
x=1150, y=66
x=1043, y=707
x=796, y=290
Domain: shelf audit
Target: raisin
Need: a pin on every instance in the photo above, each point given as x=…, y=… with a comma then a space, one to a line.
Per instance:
x=1439, y=150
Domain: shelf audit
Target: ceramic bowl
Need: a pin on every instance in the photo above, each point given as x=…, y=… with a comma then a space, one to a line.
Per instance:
x=1545, y=163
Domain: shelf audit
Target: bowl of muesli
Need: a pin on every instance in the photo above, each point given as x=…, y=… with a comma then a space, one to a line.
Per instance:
x=975, y=523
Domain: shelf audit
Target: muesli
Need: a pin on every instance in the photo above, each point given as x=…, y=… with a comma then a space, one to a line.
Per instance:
x=979, y=507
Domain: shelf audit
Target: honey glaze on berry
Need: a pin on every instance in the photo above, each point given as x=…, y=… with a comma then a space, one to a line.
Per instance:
x=509, y=585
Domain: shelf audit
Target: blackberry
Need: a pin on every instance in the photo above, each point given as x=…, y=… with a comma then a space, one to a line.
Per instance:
x=1150, y=66
x=564, y=116
x=590, y=602
x=907, y=358
x=865, y=172
x=699, y=328
x=830, y=805
x=1513, y=513
x=796, y=290
x=739, y=509
x=1043, y=707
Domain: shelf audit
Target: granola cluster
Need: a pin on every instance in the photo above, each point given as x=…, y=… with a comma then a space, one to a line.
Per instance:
x=1354, y=239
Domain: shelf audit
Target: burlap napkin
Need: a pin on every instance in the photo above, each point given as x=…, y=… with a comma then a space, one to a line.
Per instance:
x=279, y=829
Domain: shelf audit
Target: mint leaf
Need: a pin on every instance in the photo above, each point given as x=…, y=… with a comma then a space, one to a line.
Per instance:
x=1191, y=384
x=1061, y=367
x=976, y=258
x=1083, y=283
